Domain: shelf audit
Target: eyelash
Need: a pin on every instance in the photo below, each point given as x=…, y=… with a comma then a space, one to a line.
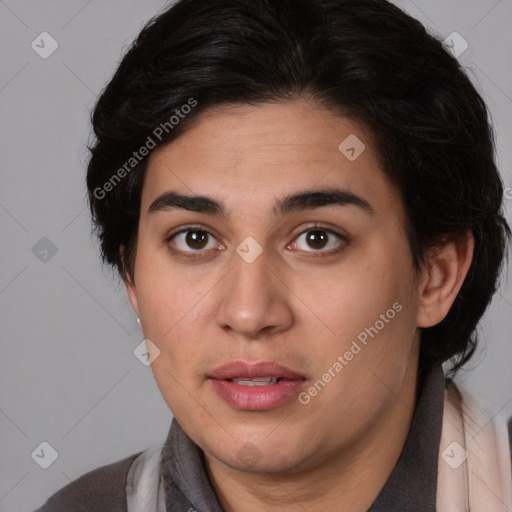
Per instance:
x=196, y=255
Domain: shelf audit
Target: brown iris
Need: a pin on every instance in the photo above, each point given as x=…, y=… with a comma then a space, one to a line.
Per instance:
x=317, y=238
x=196, y=239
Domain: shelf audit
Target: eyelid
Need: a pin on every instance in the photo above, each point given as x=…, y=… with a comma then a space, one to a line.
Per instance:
x=321, y=226
x=191, y=227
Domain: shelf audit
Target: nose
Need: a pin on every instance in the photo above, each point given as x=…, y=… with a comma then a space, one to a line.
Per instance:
x=253, y=300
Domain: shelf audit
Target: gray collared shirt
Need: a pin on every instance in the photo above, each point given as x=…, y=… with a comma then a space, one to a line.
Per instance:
x=410, y=487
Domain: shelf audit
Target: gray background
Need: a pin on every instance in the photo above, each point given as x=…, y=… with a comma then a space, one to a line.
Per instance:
x=68, y=375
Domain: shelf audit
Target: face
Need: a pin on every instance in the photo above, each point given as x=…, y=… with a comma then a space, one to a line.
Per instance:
x=296, y=257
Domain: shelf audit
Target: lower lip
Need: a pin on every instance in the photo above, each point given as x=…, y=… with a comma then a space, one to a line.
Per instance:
x=256, y=398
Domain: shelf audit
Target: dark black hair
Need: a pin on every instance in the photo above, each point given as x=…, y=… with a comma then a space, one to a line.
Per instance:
x=365, y=59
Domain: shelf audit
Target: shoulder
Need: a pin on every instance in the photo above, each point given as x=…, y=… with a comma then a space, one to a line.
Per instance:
x=488, y=441
x=509, y=428
x=102, y=489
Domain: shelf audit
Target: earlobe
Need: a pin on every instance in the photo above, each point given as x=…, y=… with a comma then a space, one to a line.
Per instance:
x=445, y=270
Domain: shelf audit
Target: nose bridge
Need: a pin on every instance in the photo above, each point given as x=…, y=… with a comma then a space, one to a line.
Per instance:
x=248, y=276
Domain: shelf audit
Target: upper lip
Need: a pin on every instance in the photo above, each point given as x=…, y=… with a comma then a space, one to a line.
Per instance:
x=244, y=370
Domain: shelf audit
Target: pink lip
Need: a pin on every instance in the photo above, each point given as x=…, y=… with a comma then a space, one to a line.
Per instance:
x=255, y=398
x=241, y=370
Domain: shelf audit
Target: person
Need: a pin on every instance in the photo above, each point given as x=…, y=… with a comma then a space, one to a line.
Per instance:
x=303, y=202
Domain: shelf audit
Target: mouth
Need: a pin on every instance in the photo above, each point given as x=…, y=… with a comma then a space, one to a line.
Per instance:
x=257, y=386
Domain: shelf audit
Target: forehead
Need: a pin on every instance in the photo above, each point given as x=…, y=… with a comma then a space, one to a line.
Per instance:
x=295, y=128
x=265, y=151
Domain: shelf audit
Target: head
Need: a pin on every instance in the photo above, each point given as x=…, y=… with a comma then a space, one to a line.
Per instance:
x=294, y=182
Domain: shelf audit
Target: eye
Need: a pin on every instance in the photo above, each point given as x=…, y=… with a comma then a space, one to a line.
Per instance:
x=320, y=239
x=192, y=240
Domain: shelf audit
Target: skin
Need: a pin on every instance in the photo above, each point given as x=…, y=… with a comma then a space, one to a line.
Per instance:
x=287, y=306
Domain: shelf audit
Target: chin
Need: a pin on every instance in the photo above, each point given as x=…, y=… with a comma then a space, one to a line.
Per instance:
x=251, y=460
x=263, y=456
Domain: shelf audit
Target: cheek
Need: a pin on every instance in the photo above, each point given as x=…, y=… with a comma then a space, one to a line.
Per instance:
x=370, y=312
x=165, y=293
x=175, y=310
x=354, y=296
x=167, y=311
x=375, y=353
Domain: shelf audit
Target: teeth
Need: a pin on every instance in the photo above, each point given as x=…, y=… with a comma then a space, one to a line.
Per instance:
x=257, y=381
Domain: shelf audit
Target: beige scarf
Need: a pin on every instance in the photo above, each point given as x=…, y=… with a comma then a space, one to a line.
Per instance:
x=474, y=470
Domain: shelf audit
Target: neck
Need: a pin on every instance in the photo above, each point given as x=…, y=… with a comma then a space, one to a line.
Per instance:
x=350, y=480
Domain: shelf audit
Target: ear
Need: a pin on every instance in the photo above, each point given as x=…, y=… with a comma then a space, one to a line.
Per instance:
x=129, y=284
x=132, y=292
x=444, y=272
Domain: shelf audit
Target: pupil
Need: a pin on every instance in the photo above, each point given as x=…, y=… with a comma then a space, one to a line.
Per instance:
x=197, y=239
x=318, y=238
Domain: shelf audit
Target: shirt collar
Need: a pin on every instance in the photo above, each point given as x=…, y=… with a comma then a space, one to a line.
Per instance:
x=412, y=483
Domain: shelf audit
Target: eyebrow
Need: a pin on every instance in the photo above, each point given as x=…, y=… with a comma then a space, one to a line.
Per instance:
x=306, y=200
